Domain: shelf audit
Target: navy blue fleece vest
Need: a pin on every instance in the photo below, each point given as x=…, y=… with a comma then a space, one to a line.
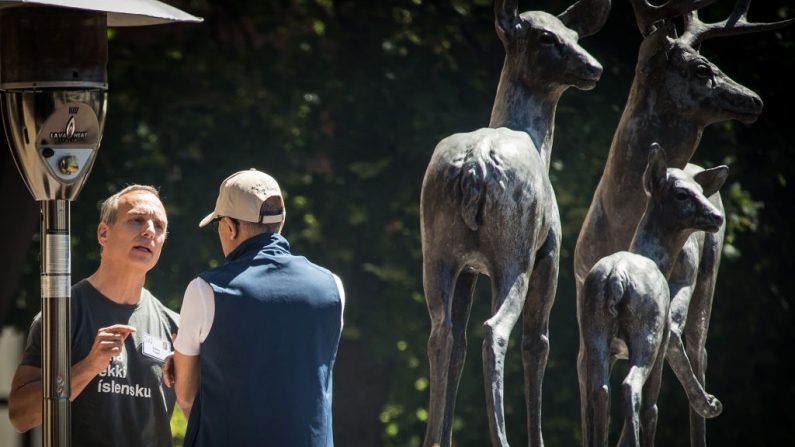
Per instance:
x=266, y=365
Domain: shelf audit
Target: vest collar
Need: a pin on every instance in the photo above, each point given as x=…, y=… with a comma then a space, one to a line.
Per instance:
x=273, y=242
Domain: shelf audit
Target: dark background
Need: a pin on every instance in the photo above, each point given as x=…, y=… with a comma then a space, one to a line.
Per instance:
x=343, y=102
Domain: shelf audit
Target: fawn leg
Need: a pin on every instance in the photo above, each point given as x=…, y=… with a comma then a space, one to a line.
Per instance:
x=643, y=345
x=594, y=362
x=594, y=376
x=697, y=325
x=651, y=391
x=702, y=402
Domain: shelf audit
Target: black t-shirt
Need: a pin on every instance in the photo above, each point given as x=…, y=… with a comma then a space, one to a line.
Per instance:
x=127, y=404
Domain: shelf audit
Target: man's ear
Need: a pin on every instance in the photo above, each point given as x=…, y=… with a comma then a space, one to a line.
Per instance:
x=234, y=230
x=102, y=233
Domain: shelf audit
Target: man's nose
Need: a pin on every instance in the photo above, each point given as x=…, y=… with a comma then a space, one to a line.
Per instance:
x=148, y=229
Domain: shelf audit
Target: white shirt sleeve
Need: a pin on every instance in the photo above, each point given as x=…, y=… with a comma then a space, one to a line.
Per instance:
x=195, y=317
x=342, y=299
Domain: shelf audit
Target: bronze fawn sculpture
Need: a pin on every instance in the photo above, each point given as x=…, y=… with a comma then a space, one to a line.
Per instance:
x=623, y=310
x=675, y=94
x=487, y=206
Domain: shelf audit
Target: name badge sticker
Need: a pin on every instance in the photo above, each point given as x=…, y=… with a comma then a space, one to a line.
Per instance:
x=154, y=347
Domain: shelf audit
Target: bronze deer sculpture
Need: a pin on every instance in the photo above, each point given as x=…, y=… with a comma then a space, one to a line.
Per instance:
x=675, y=94
x=624, y=306
x=488, y=207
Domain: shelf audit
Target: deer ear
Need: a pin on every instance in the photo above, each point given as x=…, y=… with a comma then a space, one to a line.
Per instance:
x=656, y=169
x=711, y=180
x=586, y=17
x=657, y=42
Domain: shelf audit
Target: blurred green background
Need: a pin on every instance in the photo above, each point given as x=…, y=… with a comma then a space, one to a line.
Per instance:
x=343, y=102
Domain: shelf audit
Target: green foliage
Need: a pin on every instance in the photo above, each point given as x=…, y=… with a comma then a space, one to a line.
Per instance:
x=178, y=425
x=343, y=102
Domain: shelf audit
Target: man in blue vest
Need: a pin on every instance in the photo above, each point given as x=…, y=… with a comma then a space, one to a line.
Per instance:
x=259, y=334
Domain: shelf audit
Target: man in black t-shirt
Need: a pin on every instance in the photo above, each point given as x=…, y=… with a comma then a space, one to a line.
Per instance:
x=120, y=335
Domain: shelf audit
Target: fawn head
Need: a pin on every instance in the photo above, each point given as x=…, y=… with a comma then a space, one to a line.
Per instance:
x=681, y=198
x=542, y=49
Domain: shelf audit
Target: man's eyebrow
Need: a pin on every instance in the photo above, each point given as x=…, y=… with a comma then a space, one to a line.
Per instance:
x=152, y=213
x=140, y=213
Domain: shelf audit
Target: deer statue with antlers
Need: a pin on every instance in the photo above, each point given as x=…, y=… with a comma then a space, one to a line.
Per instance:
x=624, y=305
x=675, y=94
x=488, y=207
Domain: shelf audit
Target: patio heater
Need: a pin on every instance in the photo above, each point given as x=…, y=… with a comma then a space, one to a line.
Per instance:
x=53, y=91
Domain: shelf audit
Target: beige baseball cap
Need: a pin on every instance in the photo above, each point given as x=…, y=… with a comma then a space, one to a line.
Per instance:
x=241, y=197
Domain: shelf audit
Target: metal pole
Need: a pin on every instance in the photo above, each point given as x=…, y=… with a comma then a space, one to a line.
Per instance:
x=55, y=317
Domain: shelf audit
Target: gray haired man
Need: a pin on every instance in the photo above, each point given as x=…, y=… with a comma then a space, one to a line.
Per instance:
x=121, y=335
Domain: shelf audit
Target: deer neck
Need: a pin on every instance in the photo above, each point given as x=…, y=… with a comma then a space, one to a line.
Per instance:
x=656, y=241
x=518, y=107
x=649, y=116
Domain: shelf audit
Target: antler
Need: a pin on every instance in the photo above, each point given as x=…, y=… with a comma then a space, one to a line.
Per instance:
x=505, y=14
x=586, y=16
x=697, y=31
x=646, y=14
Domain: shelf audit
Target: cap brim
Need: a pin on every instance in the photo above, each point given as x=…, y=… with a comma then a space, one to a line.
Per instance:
x=207, y=220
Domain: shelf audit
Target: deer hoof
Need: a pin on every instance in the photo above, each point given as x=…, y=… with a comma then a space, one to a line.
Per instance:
x=714, y=407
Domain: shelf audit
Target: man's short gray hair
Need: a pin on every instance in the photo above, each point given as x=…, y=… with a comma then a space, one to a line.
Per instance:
x=110, y=206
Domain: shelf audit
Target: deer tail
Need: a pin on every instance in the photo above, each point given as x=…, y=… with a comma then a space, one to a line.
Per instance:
x=482, y=169
x=614, y=289
x=473, y=187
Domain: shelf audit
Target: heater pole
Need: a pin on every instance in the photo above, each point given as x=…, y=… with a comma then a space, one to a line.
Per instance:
x=55, y=310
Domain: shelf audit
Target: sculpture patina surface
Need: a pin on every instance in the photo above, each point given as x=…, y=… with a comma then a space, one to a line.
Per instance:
x=487, y=206
x=675, y=94
x=623, y=310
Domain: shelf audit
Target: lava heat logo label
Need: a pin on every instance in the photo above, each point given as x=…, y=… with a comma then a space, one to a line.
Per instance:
x=70, y=134
x=70, y=127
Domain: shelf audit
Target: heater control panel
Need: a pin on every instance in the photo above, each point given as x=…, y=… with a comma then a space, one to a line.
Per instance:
x=67, y=140
x=54, y=135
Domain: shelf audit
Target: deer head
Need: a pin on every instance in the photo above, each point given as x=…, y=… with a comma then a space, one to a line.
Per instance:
x=681, y=199
x=542, y=50
x=685, y=81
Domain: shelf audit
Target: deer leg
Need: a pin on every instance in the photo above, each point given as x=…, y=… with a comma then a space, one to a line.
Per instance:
x=631, y=389
x=702, y=402
x=697, y=325
x=583, y=377
x=438, y=282
x=509, y=289
x=594, y=362
x=697, y=354
x=535, y=331
x=593, y=370
x=461, y=307
x=651, y=391
x=643, y=346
